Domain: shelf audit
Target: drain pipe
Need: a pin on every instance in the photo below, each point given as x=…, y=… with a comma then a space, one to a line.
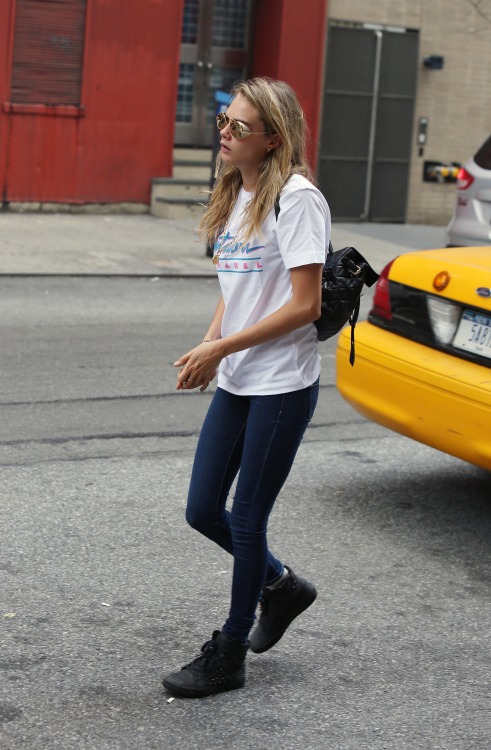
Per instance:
x=373, y=125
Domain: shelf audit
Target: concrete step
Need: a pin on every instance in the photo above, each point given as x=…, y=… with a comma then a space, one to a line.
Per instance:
x=164, y=208
x=186, y=170
x=197, y=155
x=192, y=163
x=171, y=187
x=178, y=199
x=182, y=195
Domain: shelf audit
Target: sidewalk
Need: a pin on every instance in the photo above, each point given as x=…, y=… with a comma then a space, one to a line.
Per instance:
x=141, y=245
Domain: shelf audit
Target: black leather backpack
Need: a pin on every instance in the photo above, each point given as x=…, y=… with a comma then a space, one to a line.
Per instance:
x=344, y=275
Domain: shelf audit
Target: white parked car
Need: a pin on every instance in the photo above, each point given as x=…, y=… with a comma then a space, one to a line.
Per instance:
x=471, y=221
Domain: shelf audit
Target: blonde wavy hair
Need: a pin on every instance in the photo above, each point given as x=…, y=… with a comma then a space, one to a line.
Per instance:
x=281, y=113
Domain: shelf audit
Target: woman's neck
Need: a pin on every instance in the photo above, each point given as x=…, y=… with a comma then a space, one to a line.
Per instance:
x=249, y=179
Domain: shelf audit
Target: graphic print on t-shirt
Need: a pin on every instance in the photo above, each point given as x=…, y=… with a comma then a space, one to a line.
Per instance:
x=237, y=256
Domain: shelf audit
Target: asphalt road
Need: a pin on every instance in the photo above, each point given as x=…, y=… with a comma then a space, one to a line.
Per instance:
x=104, y=587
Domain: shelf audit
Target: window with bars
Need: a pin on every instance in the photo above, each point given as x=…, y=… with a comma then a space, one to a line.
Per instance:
x=230, y=23
x=48, y=52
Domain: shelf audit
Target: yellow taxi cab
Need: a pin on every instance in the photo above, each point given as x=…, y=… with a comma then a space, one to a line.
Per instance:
x=423, y=357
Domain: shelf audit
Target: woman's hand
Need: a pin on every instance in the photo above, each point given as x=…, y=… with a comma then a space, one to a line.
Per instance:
x=198, y=367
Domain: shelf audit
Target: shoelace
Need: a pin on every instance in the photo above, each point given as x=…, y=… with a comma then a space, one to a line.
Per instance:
x=207, y=650
x=265, y=596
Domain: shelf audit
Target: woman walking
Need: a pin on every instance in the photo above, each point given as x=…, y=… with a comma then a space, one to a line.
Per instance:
x=270, y=229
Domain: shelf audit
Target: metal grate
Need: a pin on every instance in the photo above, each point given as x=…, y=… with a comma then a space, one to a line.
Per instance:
x=48, y=52
x=185, y=92
x=190, y=22
x=230, y=23
x=367, y=122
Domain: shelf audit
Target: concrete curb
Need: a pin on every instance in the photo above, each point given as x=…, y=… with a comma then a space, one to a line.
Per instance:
x=142, y=245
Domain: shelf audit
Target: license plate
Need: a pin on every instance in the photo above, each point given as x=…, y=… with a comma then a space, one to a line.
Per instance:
x=474, y=333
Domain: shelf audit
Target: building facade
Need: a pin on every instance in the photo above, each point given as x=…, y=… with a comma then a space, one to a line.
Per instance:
x=96, y=94
x=90, y=89
x=446, y=84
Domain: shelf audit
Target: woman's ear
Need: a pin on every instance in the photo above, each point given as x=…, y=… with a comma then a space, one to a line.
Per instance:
x=274, y=142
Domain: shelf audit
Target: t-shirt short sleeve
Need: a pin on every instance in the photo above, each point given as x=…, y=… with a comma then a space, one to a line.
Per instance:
x=303, y=227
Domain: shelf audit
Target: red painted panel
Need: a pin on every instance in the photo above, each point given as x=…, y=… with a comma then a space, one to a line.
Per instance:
x=43, y=162
x=125, y=136
x=6, y=26
x=268, y=23
x=291, y=48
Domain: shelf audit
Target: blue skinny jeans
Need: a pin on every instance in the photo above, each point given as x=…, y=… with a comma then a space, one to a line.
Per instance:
x=256, y=437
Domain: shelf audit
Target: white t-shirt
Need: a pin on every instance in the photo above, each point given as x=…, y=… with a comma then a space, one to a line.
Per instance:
x=255, y=282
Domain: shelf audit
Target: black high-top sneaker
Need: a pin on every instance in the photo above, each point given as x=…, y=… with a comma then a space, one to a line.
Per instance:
x=279, y=607
x=219, y=667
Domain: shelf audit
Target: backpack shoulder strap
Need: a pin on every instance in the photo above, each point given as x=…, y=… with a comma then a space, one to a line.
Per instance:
x=277, y=208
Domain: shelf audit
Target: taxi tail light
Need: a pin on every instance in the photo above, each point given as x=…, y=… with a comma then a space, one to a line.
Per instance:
x=444, y=318
x=464, y=179
x=381, y=299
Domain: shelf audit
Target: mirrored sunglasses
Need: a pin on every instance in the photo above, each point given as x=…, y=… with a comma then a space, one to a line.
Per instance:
x=237, y=129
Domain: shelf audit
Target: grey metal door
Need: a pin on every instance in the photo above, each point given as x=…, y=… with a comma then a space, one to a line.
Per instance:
x=368, y=107
x=214, y=54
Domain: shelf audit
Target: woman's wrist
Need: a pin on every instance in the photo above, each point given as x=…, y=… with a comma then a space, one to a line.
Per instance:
x=210, y=338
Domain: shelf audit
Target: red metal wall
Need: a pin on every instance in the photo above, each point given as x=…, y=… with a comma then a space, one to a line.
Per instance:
x=129, y=94
x=289, y=44
x=5, y=54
